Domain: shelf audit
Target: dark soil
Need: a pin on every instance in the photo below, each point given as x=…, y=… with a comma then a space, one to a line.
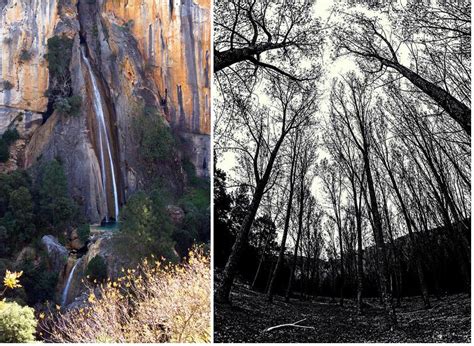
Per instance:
x=449, y=320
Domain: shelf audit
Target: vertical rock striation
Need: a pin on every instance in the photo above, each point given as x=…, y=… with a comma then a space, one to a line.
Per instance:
x=174, y=40
x=142, y=52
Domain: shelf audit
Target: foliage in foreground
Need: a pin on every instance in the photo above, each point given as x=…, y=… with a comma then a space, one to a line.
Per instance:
x=153, y=303
x=17, y=323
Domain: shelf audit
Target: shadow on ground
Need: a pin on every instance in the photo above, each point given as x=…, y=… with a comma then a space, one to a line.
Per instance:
x=449, y=320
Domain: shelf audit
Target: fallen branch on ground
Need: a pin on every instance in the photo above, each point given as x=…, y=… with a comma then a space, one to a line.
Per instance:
x=289, y=325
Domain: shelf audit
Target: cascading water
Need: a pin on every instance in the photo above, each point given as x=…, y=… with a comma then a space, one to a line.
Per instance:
x=103, y=137
x=68, y=283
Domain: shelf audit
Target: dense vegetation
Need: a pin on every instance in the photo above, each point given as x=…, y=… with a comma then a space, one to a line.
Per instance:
x=6, y=140
x=60, y=92
x=146, y=225
x=96, y=270
x=362, y=164
x=28, y=210
x=152, y=303
x=17, y=323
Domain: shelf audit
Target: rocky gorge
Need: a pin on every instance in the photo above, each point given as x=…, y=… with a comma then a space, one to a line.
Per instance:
x=141, y=53
x=74, y=77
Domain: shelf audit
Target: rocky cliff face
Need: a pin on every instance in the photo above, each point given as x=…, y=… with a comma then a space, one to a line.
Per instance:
x=174, y=39
x=140, y=53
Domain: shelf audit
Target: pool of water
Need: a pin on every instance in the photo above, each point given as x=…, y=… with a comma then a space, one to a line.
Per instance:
x=104, y=228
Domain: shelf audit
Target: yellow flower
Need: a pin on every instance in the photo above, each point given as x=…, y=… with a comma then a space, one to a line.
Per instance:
x=11, y=279
x=41, y=315
x=58, y=307
x=91, y=298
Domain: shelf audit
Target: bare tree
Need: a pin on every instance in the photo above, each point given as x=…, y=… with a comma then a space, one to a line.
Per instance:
x=332, y=178
x=306, y=157
x=352, y=110
x=294, y=152
x=377, y=49
x=266, y=35
x=264, y=131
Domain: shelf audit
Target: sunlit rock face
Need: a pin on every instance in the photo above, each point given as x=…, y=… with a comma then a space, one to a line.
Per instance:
x=25, y=26
x=174, y=40
x=150, y=53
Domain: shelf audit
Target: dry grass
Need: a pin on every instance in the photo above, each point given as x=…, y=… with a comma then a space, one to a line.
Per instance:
x=149, y=304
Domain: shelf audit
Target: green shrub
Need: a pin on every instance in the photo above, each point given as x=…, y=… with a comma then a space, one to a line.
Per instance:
x=20, y=213
x=59, y=55
x=69, y=105
x=4, y=248
x=157, y=142
x=25, y=55
x=38, y=282
x=128, y=25
x=17, y=323
x=10, y=136
x=84, y=231
x=56, y=208
x=145, y=228
x=7, y=85
x=198, y=198
x=97, y=269
x=4, y=151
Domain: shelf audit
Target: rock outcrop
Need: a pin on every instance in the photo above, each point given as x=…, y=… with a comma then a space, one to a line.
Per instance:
x=25, y=27
x=99, y=245
x=57, y=254
x=174, y=39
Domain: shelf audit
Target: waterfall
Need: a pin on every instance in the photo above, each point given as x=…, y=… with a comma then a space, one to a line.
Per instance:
x=103, y=136
x=68, y=283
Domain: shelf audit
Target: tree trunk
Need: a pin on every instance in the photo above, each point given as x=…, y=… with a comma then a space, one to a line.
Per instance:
x=360, y=268
x=222, y=294
x=456, y=109
x=298, y=236
x=341, y=299
x=414, y=246
x=382, y=262
x=259, y=268
x=281, y=255
x=223, y=291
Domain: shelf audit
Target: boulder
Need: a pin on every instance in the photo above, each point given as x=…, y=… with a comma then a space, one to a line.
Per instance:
x=57, y=254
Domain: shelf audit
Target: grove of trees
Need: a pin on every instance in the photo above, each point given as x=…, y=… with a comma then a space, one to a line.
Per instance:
x=343, y=182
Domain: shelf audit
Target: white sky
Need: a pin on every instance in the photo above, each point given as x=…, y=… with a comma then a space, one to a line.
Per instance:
x=331, y=69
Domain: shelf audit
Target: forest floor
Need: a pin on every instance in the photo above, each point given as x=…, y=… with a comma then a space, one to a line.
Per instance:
x=449, y=320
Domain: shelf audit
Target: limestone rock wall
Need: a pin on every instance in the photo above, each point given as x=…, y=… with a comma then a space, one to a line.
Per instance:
x=174, y=39
x=25, y=26
x=143, y=53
